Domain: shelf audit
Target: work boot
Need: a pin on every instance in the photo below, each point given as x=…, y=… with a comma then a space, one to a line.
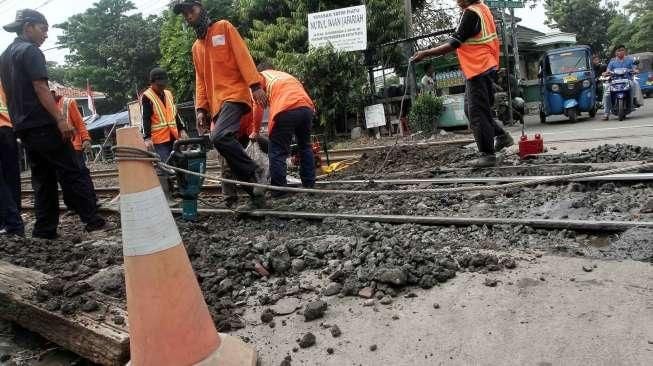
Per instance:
x=485, y=161
x=257, y=202
x=503, y=141
x=606, y=117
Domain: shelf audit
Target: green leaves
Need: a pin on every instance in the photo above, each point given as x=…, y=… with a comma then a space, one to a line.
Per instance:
x=425, y=112
x=633, y=27
x=111, y=49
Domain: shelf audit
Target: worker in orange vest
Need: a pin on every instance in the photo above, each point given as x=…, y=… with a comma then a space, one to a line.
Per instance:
x=291, y=114
x=161, y=123
x=226, y=83
x=11, y=223
x=81, y=140
x=477, y=45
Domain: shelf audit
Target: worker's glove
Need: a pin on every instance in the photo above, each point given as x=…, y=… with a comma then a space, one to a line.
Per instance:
x=86, y=145
x=149, y=145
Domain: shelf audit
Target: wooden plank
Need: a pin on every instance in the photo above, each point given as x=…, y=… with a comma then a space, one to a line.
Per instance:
x=100, y=342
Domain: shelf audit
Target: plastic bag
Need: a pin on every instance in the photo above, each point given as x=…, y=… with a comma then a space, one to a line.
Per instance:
x=262, y=161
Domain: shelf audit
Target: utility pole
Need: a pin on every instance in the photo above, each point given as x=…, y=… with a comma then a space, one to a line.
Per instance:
x=515, y=45
x=507, y=58
x=410, y=76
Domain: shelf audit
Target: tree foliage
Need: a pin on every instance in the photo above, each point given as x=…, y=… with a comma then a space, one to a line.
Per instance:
x=111, y=49
x=588, y=19
x=633, y=27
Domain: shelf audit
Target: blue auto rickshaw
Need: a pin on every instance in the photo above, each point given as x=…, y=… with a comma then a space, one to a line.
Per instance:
x=645, y=76
x=567, y=83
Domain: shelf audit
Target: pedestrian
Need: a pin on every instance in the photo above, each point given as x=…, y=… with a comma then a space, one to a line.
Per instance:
x=477, y=45
x=291, y=114
x=162, y=125
x=226, y=82
x=11, y=222
x=428, y=80
x=81, y=140
x=44, y=131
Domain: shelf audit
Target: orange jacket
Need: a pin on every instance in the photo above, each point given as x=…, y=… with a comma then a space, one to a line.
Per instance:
x=5, y=120
x=224, y=69
x=481, y=52
x=70, y=111
x=164, y=119
x=285, y=93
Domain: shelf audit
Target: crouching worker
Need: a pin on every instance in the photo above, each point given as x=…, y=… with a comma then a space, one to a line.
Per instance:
x=161, y=123
x=81, y=140
x=291, y=114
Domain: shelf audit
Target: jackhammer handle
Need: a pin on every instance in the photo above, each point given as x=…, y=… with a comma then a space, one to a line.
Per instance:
x=204, y=141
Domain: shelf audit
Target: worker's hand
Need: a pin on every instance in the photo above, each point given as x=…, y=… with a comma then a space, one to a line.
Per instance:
x=202, y=123
x=254, y=136
x=149, y=145
x=67, y=131
x=183, y=135
x=86, y=145
x=418, y=56
x=260, y=97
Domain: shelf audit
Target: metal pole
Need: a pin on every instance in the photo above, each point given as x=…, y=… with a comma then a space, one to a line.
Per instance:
x=507, y=58
x=515, y=44
x=410, y=76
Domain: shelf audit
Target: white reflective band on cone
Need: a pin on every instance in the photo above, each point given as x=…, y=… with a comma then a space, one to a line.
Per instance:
x=147, y=223
x=231, y=352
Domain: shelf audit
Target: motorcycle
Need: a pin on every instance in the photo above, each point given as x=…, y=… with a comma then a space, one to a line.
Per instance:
x=620, y=90
x=501, y=108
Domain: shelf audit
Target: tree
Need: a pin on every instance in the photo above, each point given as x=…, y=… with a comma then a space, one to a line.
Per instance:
x=634, y=26
x=588, y=19
x=112, y=50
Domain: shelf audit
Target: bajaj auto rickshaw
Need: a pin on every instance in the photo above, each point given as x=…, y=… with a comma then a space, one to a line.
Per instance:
x=645, y=76
x=567, y=83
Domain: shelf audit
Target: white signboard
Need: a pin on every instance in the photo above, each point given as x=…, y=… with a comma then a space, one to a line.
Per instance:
x=375, y=116
x=345, y=29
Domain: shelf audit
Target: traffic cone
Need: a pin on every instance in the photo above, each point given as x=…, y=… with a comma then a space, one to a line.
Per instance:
x=169, y=322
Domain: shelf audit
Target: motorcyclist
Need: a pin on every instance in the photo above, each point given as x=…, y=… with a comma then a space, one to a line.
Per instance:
x=503, y=78
x=599, y=68
x=621, y=61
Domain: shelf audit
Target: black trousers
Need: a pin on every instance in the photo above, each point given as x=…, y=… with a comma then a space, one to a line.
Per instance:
x=225, y=139
x=298, y=123
x=53, y=161
x=86, y=174
x=10, y=218
x=479, y=98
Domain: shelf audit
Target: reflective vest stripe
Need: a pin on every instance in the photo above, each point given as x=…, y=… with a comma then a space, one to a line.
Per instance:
x=485, y=36
x=271, y=80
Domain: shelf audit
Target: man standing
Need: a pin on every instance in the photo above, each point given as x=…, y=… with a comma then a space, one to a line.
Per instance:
x=11, y=223
x=477, y=45
x=81, y=139
x=44, y=131
x=428, y=80
x=291, y=114
x=161, y=123
x=226, y=82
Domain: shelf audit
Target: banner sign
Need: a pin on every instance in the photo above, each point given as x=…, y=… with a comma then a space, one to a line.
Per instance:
x=345, y=29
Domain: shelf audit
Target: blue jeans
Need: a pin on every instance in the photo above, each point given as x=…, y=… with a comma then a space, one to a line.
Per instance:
x=10, y=218
x=295, y=122
x=164, y=150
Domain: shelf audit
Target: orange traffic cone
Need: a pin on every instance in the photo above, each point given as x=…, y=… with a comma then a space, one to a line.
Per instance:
x=169, y=322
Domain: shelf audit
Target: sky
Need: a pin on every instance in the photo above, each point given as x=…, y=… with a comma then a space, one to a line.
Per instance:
x=57, y=11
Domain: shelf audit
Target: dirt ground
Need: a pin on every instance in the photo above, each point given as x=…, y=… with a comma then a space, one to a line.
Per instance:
x=505, y=294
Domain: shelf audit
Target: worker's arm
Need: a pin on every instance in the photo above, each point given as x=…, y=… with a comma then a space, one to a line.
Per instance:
x=246, y=64
x=148, y=110
x=257, y=117
x=470, y=25
x=202, y=105
x=47, y=101
x=78, y=124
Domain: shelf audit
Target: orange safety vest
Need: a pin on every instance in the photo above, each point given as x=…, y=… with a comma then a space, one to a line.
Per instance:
x=71, y=114
x=481, y=52
x=163, y=121
x=285, y=93
x=5, y=120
